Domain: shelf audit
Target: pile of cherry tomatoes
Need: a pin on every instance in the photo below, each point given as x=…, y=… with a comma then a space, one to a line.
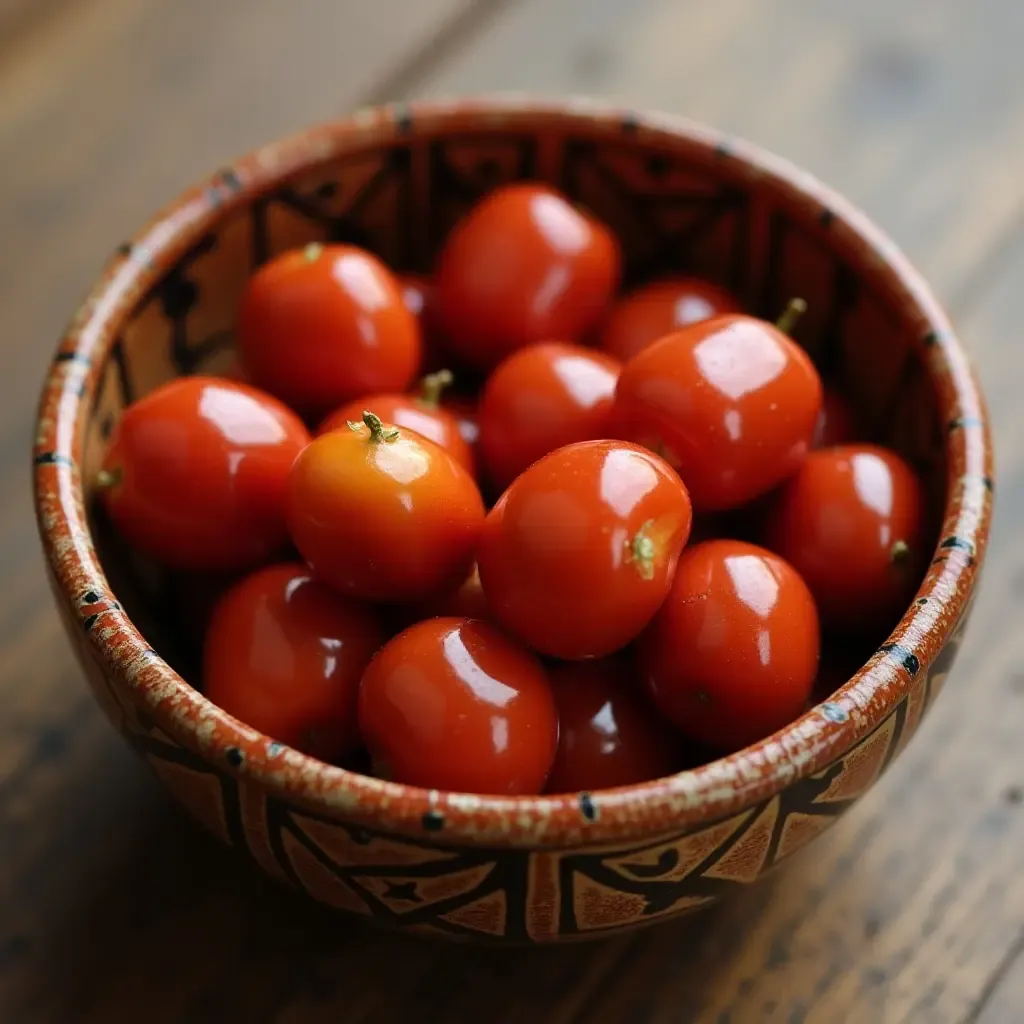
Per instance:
x=537, y=584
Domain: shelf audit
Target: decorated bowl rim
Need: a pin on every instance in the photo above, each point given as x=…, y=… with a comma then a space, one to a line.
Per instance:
x=648, y=810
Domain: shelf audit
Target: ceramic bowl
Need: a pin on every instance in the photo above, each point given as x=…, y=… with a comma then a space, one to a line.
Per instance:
x=680, y=196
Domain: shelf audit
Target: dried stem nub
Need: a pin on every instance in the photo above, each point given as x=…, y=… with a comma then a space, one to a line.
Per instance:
x=378, y=432
x=642, y=551
x=107, y=478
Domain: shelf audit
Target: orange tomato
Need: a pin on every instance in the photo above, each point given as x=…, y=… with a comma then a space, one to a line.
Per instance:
x=732, y=654
x=523, y=266
x=659, y=308
x=325, y=324
x=284, y=654
x=541, y=398
x=196, y=472
x=383, y=515
x=579, y=552
x=455, y=704
x=852, y=522
x=731, y=403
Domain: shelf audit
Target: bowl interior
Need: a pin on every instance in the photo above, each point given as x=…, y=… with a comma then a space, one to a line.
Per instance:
x=677, y=204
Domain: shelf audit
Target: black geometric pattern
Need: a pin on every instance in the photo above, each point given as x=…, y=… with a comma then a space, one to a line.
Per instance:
x=486, y=893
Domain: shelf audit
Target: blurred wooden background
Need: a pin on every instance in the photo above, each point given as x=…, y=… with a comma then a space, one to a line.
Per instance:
x=112, y=906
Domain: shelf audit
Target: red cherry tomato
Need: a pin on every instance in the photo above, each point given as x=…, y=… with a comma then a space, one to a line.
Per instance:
x=659, y=308
x=420, y=413
x=523, y=266
x=325, y=324
x=731, y=403
x=196, y=472
x=382, y=515
x=579, y=552
x=836, y=423
x=418, y=293
x=454, y=704
x=852, y=522
x=608, y=734
x=284, y=654
x=541, y=398
x=732, y=655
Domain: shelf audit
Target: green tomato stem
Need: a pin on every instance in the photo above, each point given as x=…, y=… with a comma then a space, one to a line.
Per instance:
x=790, y=315
x=432, y=385
x=642, y=552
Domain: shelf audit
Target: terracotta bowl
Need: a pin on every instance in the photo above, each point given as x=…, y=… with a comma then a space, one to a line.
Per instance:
x=520, y=870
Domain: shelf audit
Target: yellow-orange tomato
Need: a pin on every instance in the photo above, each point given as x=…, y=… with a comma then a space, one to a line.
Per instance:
x=196, y=472
x=284, y=654
x=322, y=325
x=659, y=308
x=541, y=398
x=523, y=266
x=383, y=515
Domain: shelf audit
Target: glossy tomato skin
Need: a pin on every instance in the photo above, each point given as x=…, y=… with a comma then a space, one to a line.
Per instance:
x=408, y=412
x=199, y=470
x=540, y=398
x=659, y=308
x=730, y=402
x=284, y=654
x=837, y=423
x=454, y=704
x=732, y=655
x=383, y=520
x=579, y=552
x=608, y=733
x=852, y=522
x=523, y=266
x=322, y=325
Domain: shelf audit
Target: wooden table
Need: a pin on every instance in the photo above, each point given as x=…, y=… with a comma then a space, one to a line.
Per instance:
x=115, y=908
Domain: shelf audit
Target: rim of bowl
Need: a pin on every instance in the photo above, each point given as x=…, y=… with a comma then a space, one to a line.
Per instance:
x=648, y=810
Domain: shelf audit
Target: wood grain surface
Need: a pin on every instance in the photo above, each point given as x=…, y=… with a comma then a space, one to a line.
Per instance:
x=115, y=908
